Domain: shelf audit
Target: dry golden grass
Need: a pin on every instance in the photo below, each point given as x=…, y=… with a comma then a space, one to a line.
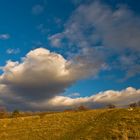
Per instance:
x=104, y=124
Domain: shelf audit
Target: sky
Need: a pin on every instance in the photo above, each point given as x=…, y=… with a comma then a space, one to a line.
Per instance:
x=60, y=54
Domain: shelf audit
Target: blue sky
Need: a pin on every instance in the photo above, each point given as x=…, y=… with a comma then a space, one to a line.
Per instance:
x=72, y=28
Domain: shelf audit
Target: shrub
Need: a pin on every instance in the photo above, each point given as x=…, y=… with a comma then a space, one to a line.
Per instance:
x=82, y=108
x=3, y=113
x=138, y=103
x=111, y=106
x=15, y=113
x=133, y=105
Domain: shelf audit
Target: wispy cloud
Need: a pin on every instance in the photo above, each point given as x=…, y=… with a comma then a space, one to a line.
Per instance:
x=13, y=51
x=4, y=36
x=55, y=40
x=37, y=9
x=76, y=94
x=95, y=24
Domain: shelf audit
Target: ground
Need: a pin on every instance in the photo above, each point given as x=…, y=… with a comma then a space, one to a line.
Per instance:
x=101, y=124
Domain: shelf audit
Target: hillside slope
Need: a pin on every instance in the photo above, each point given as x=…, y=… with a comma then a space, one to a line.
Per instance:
x=114, y=124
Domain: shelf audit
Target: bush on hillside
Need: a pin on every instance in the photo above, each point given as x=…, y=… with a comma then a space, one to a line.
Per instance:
x=82, y=108
x=3, y=113
x=133, y=105
x=110, y=106
x=15, y=113
x=138, y=103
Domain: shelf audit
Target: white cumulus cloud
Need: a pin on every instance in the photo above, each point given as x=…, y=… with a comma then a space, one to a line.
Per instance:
x=118, y=98
x=42, y=74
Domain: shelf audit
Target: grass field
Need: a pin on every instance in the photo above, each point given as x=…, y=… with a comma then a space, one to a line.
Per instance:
x=104, y=124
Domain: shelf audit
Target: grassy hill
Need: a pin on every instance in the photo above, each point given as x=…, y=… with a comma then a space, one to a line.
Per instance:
x=105, y=124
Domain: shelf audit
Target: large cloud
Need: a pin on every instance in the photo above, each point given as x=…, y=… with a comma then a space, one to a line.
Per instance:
x=42, y=75
x=36, y=82
x=96, y=21
x=119, y=98
x=97, y=33
x=116, y=32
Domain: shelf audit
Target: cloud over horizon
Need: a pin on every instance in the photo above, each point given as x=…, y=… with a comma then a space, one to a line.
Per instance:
x=38, y=80
x=120, y=98
x=95, y=39
x=42, y=74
